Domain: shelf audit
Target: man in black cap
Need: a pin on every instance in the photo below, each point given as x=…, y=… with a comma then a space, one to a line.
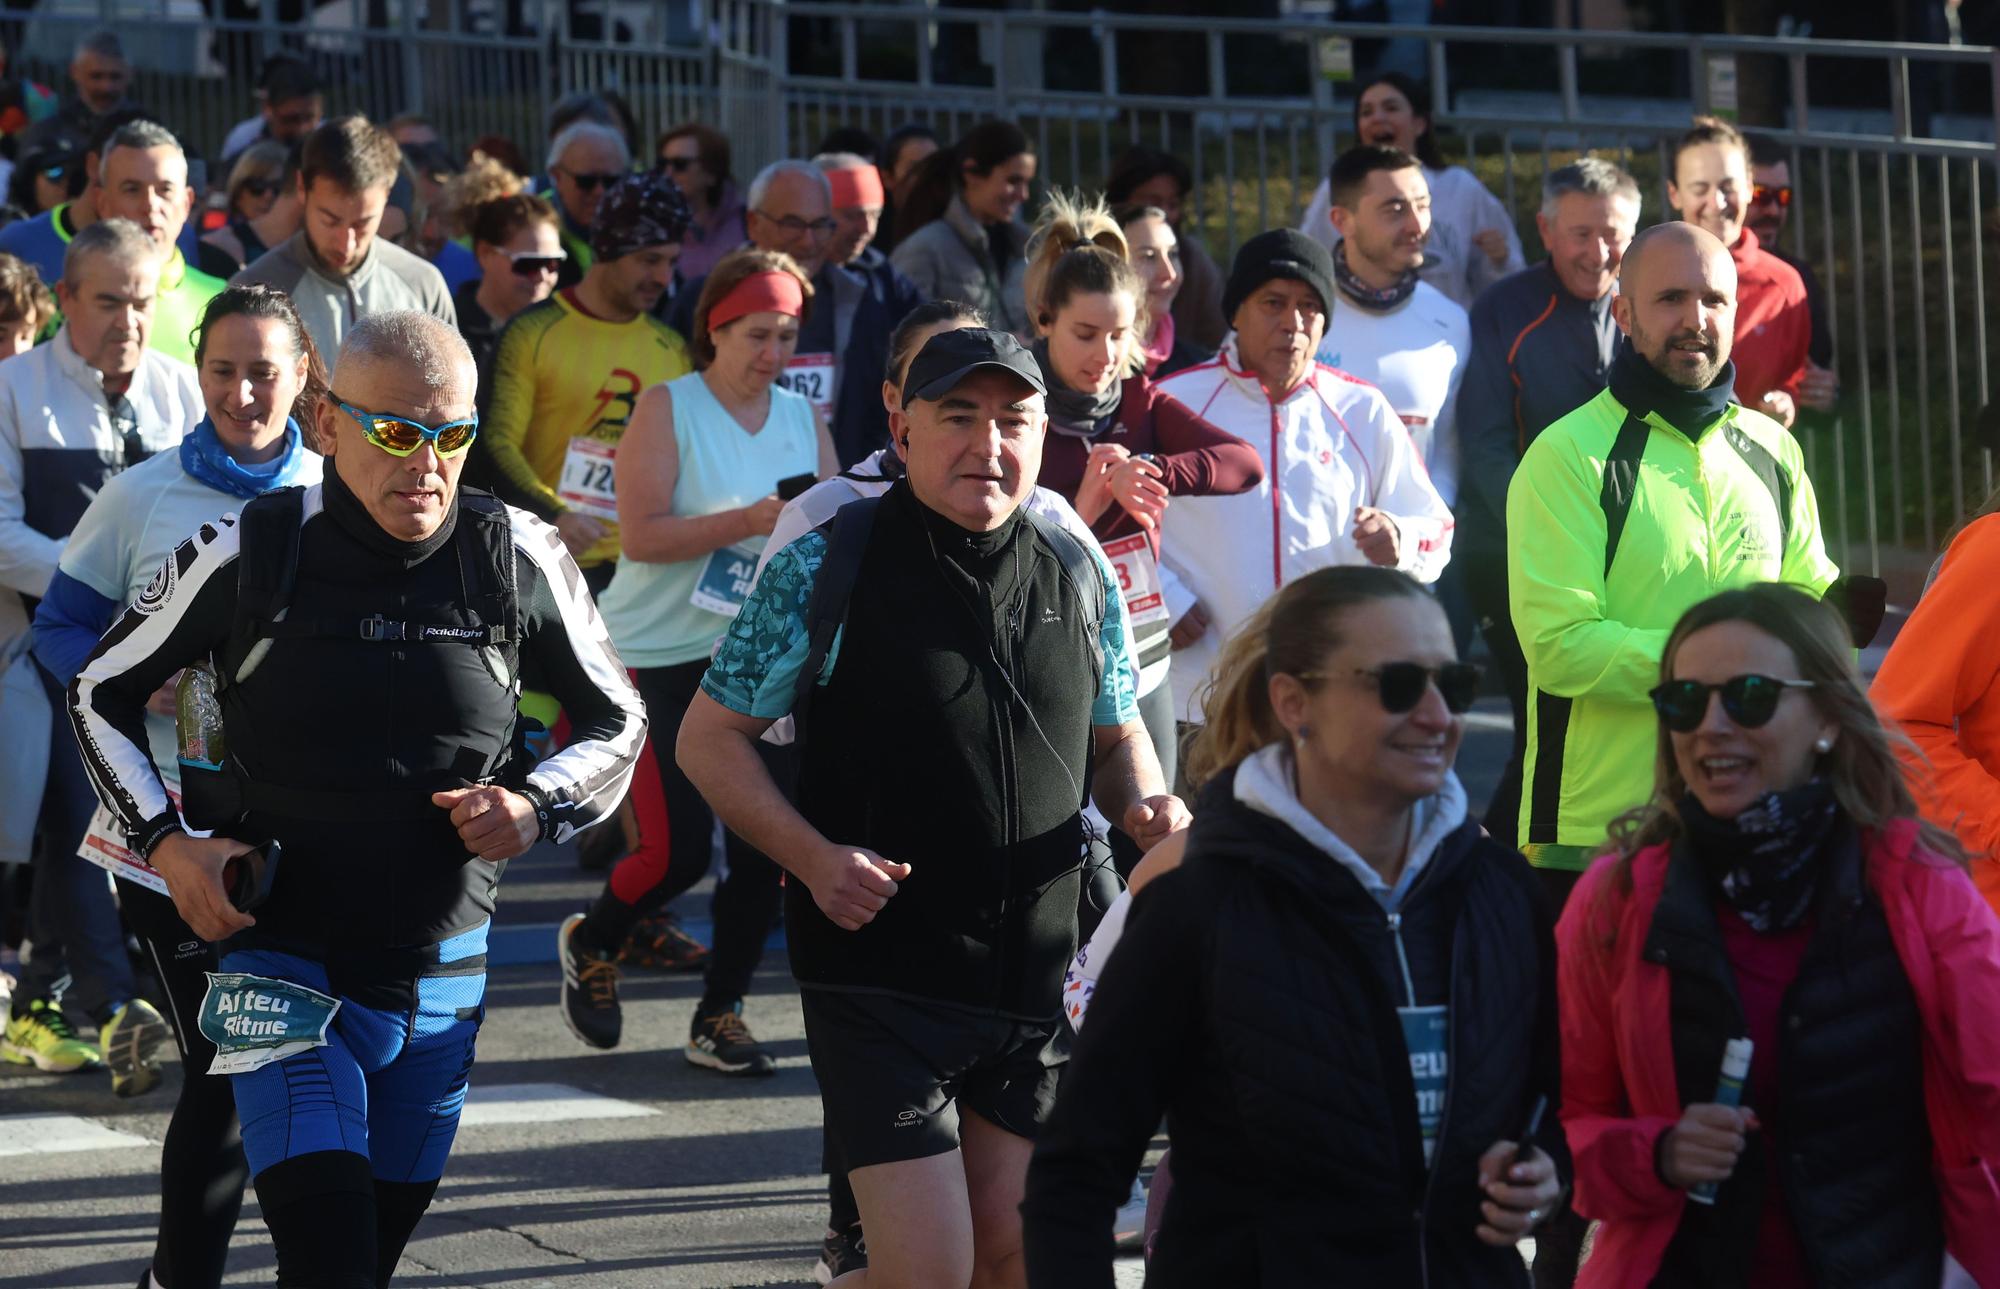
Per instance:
x=958, y=673
x=1343, y=484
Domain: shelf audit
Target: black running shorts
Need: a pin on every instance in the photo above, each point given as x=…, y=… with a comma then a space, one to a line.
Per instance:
x=893, y=1072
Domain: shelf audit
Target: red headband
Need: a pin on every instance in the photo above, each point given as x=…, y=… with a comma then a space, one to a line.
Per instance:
x=855, y=187
x=767, y=292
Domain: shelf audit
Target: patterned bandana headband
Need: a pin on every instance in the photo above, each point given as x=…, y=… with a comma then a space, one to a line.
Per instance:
x=768, y=292
x=639, y=211
x=856, y=188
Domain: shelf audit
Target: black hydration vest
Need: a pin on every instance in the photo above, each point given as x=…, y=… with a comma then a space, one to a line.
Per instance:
x=954, y=736
x=351, y=691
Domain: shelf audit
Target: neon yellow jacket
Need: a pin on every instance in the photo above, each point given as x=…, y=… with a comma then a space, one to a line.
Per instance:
x=1730, y=507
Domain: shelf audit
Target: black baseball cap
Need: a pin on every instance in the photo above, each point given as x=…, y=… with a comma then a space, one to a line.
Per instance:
x=950, y=356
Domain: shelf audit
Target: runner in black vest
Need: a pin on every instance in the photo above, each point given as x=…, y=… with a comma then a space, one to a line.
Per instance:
x=370, y=637
x=974, y=691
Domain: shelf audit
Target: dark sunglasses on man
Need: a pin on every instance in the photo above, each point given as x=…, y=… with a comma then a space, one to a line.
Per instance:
x=591, y=182
x=1762, y=194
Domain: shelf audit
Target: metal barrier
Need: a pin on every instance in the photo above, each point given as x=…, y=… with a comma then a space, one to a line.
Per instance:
x=1893, y=209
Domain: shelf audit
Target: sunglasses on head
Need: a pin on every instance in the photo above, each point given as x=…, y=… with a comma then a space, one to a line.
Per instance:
x=1762, y=193
x=1750, y=701
x=1401, y=685
x=532, y=263
x=399, y=436
x=592, y=182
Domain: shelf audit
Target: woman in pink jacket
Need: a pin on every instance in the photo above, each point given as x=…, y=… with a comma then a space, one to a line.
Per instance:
x=1779, y=888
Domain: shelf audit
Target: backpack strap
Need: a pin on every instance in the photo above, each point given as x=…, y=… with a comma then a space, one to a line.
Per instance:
x=1086, y=579
x=267, y=565
x=847, y=536
x=1621, y=481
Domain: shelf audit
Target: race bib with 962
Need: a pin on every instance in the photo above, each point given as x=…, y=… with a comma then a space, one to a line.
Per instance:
x=811, y=376
x=255, y=1020
x=587, y=485
x=1138, y=573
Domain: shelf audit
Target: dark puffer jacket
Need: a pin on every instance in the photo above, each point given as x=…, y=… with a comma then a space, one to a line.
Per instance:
x=1252, y=1000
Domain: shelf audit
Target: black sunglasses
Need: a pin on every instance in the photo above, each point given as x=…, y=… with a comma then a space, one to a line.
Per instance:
x=529, y=264
x=260, y=187
x=677, y=164
x=590, y=182
x=1750, y=701
x=1401, y=685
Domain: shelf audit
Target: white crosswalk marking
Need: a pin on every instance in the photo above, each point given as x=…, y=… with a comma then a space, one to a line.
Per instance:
x=51, y=1134
x=550, y=1103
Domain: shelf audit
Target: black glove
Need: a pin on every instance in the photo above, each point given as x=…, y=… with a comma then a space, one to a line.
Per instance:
x=1862, y=601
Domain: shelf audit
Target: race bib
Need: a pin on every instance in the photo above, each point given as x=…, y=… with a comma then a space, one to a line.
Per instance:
x=810, y=376
x=725, y=580
x=587, y=485
x=104, y=845
x=255, y=1020
x=1426, y=1032
x=1138, y=574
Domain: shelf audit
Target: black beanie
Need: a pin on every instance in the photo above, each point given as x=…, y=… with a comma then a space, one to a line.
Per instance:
x=1282, y=252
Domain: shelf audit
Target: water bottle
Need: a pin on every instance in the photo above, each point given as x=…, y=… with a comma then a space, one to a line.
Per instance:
x=198, y=718
x=210, y=795
x=1729, y=1092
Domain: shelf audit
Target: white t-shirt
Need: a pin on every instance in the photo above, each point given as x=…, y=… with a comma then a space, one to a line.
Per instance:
x=1415, y=354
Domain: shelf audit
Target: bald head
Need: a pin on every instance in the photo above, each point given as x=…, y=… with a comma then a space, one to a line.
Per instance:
x=1677, y=301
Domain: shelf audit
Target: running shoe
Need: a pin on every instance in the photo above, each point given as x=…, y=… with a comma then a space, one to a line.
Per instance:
x=721, y=1041
x=131, y=1041
x=660, y=943
x=589, y=989
x=42, y=1037
x=1128, y=1229
x=839, y=1253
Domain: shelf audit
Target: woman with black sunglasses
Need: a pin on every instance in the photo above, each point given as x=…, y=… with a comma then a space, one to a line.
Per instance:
x=1780, y=889
x=517, y=239
x=1343, y=1000
x=263, y=209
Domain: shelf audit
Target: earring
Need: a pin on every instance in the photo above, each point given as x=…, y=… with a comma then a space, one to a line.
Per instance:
x=1824, y=746
x=1305, y=733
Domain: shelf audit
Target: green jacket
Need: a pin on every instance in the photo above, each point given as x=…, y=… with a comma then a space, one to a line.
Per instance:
x=1598, y=575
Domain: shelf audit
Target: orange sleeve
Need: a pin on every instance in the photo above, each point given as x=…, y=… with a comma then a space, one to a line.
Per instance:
x=1944, y=662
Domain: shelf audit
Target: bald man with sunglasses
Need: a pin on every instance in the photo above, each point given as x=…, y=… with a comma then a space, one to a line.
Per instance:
x=369, y=634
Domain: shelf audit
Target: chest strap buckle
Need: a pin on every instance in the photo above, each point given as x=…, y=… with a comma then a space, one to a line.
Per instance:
x=379, y=628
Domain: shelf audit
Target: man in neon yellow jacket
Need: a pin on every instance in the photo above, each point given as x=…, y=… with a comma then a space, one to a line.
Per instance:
x=1649, y=498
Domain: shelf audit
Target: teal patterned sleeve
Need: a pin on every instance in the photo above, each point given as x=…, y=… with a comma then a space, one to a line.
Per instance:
x=1117, y=694
x=756, y=668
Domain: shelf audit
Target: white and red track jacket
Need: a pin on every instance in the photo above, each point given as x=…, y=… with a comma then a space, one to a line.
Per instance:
x=1333, y=444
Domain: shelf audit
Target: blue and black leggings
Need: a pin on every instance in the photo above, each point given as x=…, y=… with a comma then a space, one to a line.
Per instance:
x=347, y=1141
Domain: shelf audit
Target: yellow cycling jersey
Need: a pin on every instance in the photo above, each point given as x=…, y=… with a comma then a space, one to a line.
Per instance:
x=562, y=373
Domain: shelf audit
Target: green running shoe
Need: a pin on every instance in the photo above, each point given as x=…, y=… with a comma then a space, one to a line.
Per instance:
x=131, y=1041
x=43, y=1038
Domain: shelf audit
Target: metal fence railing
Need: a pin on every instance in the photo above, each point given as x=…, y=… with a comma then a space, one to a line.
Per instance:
x=1892, y=147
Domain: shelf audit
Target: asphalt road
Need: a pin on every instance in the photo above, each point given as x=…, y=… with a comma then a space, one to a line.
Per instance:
x=576, y=1169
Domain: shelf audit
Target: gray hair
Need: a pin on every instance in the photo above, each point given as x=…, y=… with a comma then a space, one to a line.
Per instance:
x=760, y=187
x=832, y=161
x=102, y=42
x=119, y=240
x=141, y=134
x=1593, y=177
x=588, y=129
x=420, y=344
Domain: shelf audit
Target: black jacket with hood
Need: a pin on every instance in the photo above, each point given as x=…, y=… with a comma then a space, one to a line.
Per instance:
x=1252, y=1001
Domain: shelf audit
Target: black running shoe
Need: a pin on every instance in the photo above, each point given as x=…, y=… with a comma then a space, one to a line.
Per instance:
x=839, y=1253
x=721, y=1041
x=589, y=989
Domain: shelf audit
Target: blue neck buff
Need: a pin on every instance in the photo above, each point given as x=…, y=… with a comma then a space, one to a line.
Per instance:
x=205, y=459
